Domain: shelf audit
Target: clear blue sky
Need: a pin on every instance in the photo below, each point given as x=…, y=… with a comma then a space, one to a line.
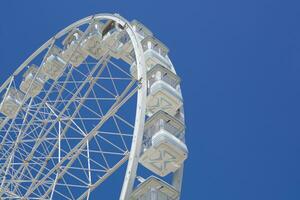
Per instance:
x=240, y=66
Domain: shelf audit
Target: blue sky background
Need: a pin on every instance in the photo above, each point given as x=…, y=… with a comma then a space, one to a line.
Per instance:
x=240, y=66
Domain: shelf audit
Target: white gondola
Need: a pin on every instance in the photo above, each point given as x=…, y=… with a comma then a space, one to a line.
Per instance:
x=141, y=30
x=155, y=52
x=154, y=189
x=162, y=120
x=54, y=65
x=127, y=48
x=11, y=103
x=92, y=44
x=113, y=35
x=33, y=82
x=73, y=52
x=162, y=91
x=164, y=151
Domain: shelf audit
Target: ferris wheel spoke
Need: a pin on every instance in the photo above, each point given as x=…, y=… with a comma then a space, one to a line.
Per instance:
x=112, y=80
x=119, y=130
x=79, y=160
x=78, y=108
x=18, y=186
x=26, y=128
x=78, y=148
x=76, y=177
x=87, y=149
x=87, y=153
x=120, y=69
x=67, y=188
x=10, y=194
x=114, y=133
x=98, y=104
x=2, y=193
x=124, y=121
x=35, y=147
x=102, y=179
x=102, y=156
x=97, y=83
x=44, y=100
x=28, y=169
x=110, y=143
x=9, y=161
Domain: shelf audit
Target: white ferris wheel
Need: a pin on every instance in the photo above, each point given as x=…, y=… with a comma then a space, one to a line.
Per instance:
x=99, y=95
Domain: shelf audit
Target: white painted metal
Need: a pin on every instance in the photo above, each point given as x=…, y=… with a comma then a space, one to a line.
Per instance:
x=163, y=120
x=93, y=42
x=165, y=154
x=73, y=51
x=175, y=151
x=37, y=151
x=155, y=52
x=33, y=82
x=154, y=189
x=54, y=65
x=140, y=29
x=163, y=93
x=136, y=145
x=11, y=103
x=112, y=34
x=163, y=97
x=126, y=49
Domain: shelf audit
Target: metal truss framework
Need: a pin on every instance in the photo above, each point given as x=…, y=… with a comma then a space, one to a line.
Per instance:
x=77, y=132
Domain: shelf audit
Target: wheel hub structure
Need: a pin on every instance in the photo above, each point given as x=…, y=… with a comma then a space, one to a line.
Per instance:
x=100, y=97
